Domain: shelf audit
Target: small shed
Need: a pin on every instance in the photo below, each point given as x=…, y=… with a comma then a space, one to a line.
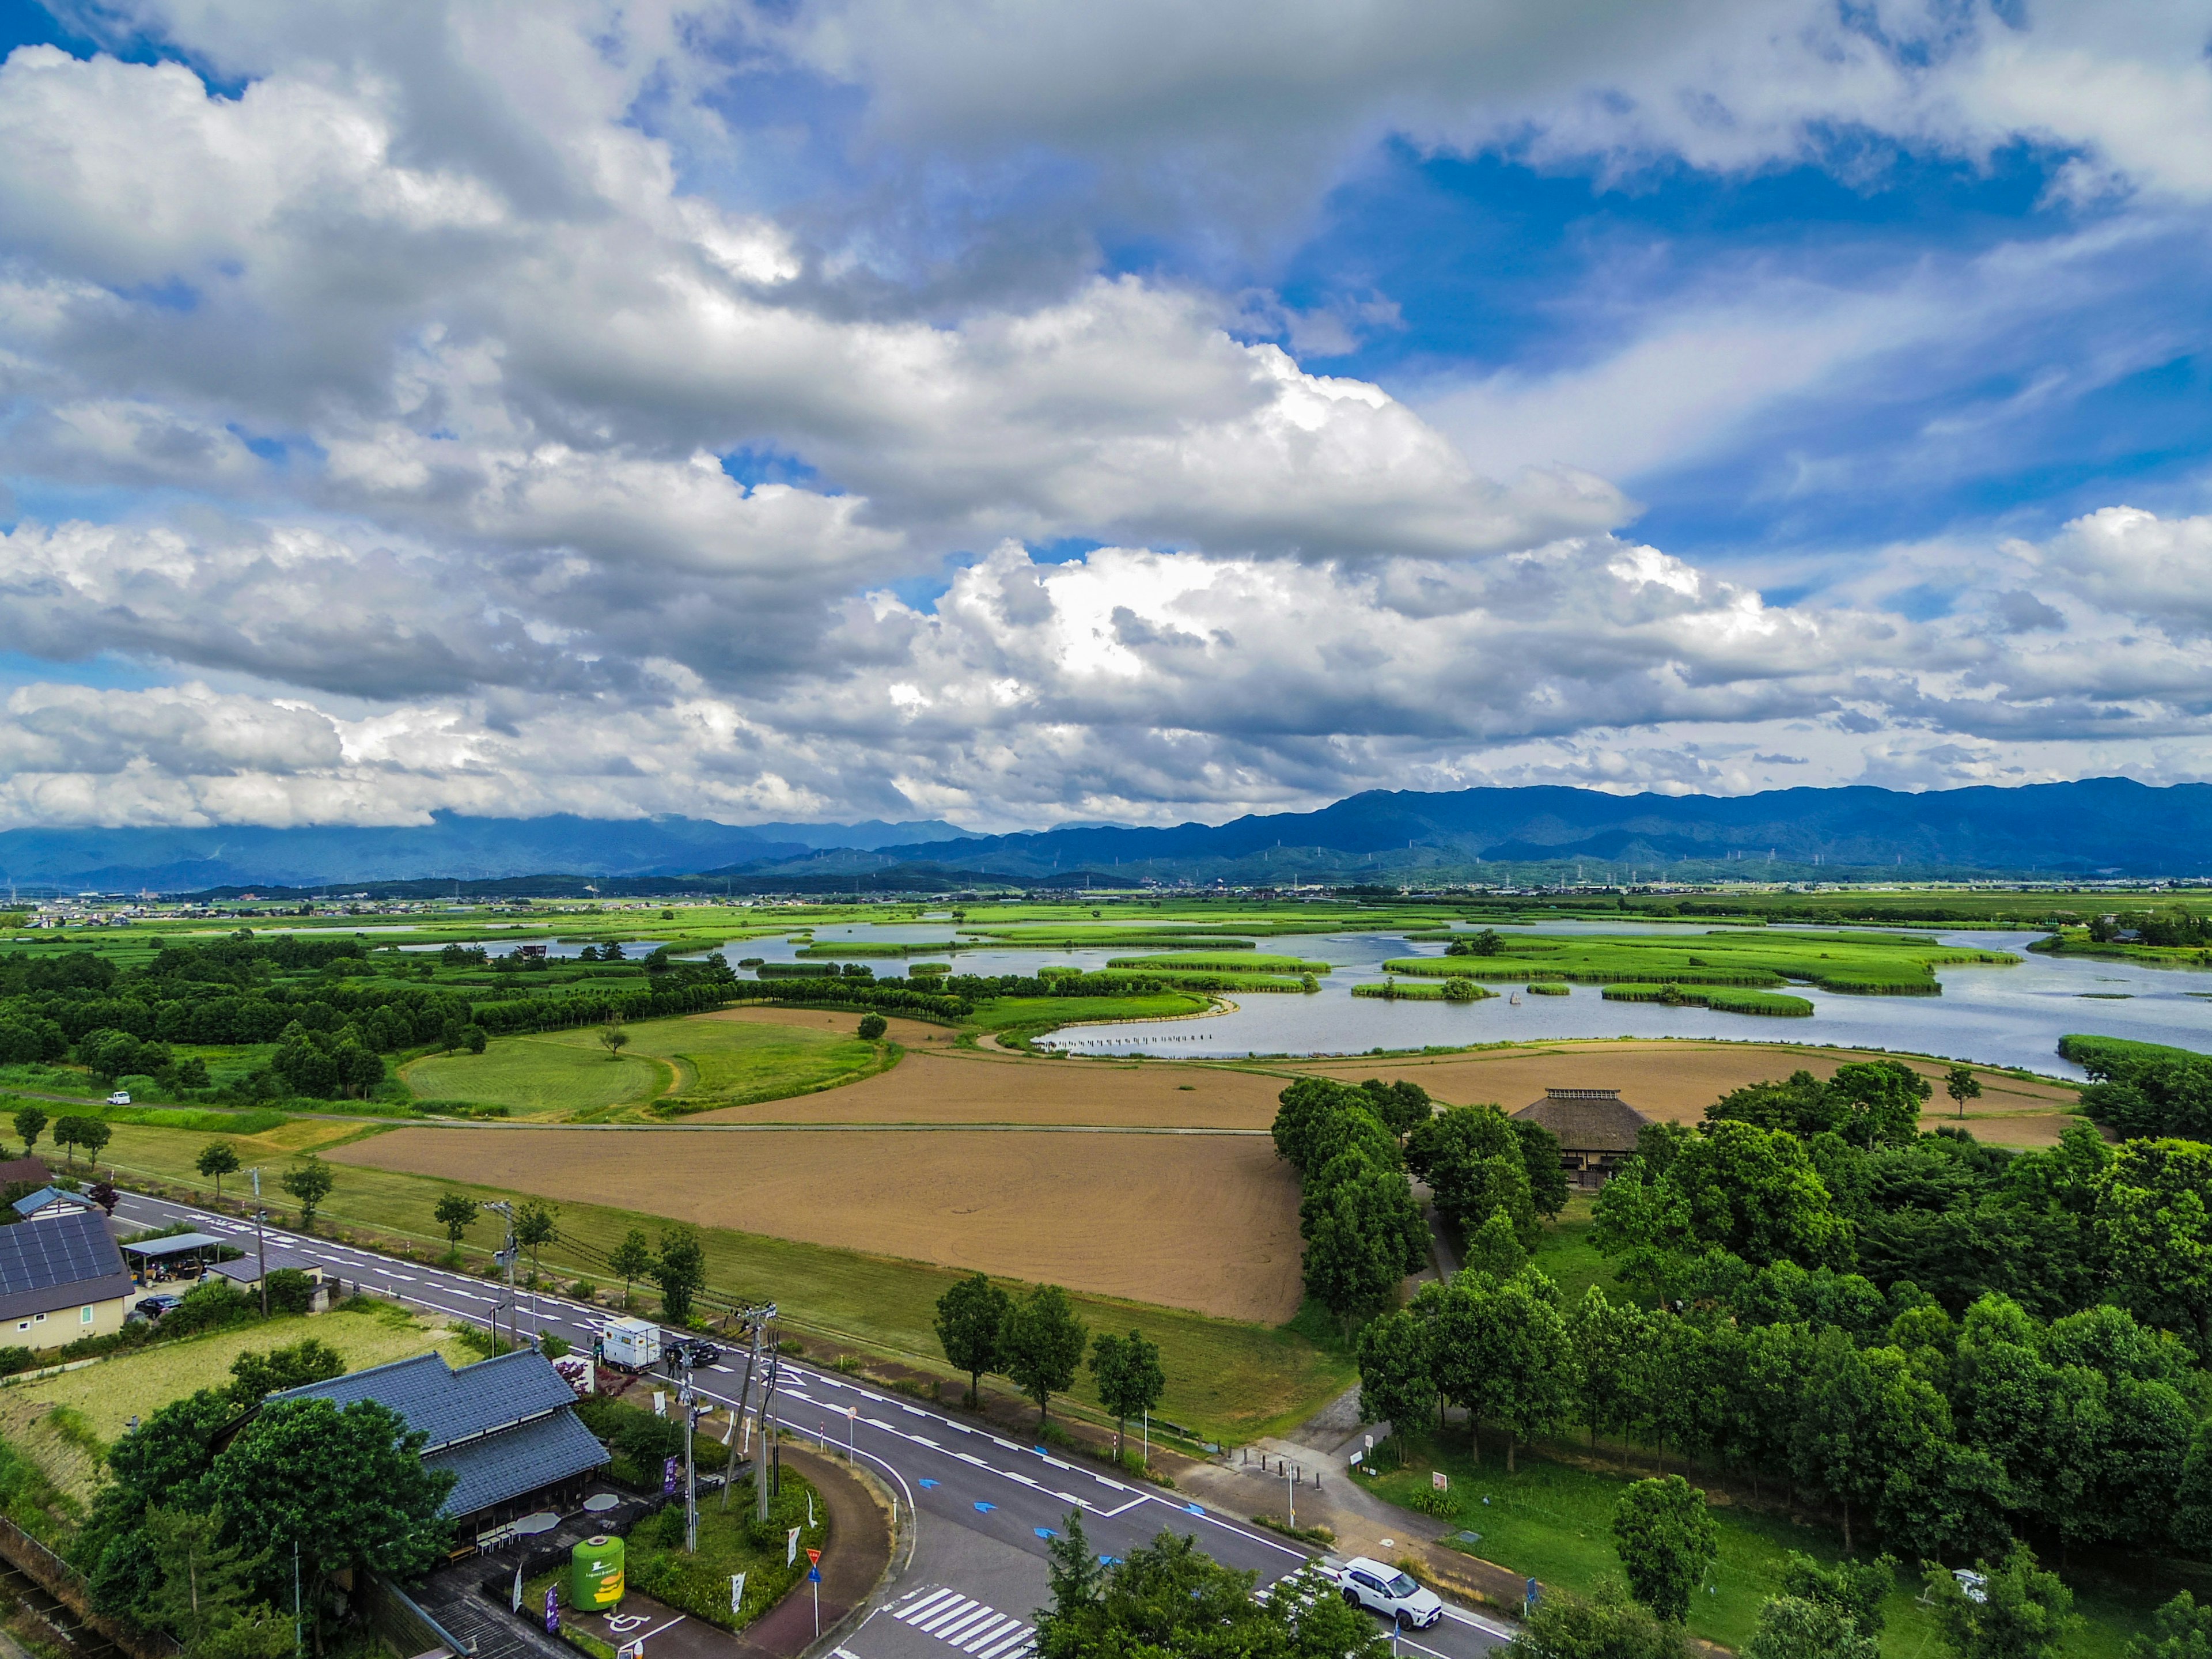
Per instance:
x=1596, y=1130
x=245, y=1271
x=50, y=1201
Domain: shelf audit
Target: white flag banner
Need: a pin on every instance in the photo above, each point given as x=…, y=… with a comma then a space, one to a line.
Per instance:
x=737, y=1593
x=790, y=1547
x=518, y=1590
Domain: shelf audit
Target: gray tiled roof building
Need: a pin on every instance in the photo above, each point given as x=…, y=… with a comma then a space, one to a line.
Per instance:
x=66, y=1260
x=506, y=1427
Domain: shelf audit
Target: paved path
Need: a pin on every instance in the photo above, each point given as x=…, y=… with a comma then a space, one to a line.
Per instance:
x=982, y=1506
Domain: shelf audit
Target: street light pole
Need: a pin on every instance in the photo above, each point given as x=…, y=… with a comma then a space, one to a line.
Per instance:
x=261, y=1240
x=504, y=1257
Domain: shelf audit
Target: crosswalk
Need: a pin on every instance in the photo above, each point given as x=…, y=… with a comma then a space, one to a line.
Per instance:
x=982, y=1632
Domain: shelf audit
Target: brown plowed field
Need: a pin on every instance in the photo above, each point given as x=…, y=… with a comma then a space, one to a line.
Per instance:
x=935, y=1084
x=1207, y=1222
x=1679, y=1080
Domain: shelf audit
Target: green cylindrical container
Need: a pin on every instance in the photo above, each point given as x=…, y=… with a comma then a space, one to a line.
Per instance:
x=595, y=1575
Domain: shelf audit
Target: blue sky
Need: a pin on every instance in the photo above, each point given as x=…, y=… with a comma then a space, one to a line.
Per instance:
x=843, y=408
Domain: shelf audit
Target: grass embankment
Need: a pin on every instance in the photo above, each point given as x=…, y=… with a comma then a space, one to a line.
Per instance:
x=1390, y=991
x=1868, y=964
x=692, y=1063
x=1203, y=961
x=1017, y=1019
x=1228, y=1380
x=1724, y=999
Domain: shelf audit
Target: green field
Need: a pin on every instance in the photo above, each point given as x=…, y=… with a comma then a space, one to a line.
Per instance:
x=1727, y=998
x=1871, y=965
x=1228, y=1380
x=1204, y=961
x=688, y=1065
x=1022, y=1017
x=1390, y=991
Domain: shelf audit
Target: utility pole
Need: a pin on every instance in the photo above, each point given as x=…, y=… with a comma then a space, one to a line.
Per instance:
x=261, y=1240
x=685, y=1402
x=505, y=1257
x=758, y=1319
x=768, y=1380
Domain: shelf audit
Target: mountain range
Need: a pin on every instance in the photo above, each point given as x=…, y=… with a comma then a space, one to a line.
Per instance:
x=2096, y=827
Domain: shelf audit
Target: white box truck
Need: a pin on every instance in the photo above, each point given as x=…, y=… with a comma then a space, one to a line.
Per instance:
x=629, y=1345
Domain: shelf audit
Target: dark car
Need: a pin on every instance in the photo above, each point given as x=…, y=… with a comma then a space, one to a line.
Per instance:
x=153, y=1307
x=690, y=1351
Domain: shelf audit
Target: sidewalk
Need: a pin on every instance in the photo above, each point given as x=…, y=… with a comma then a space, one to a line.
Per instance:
x=1363, y=1523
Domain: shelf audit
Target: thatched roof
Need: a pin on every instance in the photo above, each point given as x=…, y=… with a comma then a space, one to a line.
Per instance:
x=1586, y=1120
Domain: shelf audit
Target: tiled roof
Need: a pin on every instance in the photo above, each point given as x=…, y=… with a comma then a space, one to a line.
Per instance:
x=503, y=1425
x=448, y=1405
x=522, y=1460
x=1586, y=1120
x=60, y=1262
x=248, y=1269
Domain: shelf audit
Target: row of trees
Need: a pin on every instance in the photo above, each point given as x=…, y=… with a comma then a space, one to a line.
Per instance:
x=73, y=1131
x=1363, y=1231
x=1037, y=1342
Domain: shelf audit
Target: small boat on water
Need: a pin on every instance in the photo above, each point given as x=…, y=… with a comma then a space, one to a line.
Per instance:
x=1515, y=1000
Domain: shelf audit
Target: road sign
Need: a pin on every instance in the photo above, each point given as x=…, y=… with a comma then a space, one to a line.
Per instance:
x=814, y=1575
x=814, y=1557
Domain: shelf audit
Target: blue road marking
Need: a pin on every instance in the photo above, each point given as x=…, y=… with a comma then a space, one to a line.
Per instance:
x=927, y=1483
x=1044, y=1532
x=1109, y=1560
x=985, y=1509
x=1193, y=1508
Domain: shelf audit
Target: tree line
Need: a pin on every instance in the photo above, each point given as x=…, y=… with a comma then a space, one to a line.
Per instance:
x=1037, y=1342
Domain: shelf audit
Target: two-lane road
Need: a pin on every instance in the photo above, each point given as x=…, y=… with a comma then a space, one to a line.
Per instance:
x=987, y=1505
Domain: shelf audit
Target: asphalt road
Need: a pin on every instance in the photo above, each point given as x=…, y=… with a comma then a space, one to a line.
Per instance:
x=986, y=1505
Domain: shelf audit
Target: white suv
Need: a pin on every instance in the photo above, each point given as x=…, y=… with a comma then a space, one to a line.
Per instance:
x=1368, y=1583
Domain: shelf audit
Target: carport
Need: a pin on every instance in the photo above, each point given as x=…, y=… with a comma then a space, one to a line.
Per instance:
x=180, y=1256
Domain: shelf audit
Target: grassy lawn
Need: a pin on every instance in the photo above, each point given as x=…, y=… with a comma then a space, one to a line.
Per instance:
x=138, y=1383
x=682, y=1065
x=1566, y=1253
x=721, y=1062
x=1230, y=1381
x=1554, y=1521
x=540, y=1075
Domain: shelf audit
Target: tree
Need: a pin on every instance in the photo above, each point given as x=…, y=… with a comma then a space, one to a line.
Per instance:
x=1606, y=1624
x=971, y=1316
x=1476, y=1164
x=680, y=1271
x=534, y=1229
x=217, y=1159
x=1854, y=1589
x=1791, y=1628
x=2179, y=1630
x=1043, y=1341
x=2153, y=1227
x=1541, y=1155
x=89, y=1133
x=2023, y=1612
x=104, y=1193
x=1397, y=1383
x=1400, y=1107
x=30, y=1122
x=1667, y=1539
x=254, y=1377
x=1754, y=1194
x=1129, y=1377
x=872, y=1027
x=1170, y=1598
x=1524, y=1355
x=346, y=1489
x=309, y=1180
x=613, y=1039
x=1611, y=1348
x=454, y=1212
x=1962, y=1085
x=205, y=1588
x=632, y=1258
x=1494, y=1249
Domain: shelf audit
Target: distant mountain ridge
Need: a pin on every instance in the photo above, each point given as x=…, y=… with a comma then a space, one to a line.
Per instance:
x=2098, y=826
x=451, y=847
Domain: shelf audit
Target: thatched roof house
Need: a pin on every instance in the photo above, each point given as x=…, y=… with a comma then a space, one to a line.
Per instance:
x=1596, y=1130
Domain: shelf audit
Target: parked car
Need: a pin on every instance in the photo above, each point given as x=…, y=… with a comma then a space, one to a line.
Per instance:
x=153, y=1307
x=1368, y=1583
x=690, y=1351
x=121, y=1097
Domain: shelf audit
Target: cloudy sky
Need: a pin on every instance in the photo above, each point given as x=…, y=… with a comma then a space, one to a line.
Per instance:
x=1025, y=411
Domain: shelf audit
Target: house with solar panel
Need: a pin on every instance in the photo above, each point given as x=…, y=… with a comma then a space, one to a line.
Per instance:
x=61, y=1277
x=506, y=1427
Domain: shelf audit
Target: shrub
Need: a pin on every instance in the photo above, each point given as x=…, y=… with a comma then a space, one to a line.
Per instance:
x=291, y=1291
x=872, y=1026
x=211, y=1305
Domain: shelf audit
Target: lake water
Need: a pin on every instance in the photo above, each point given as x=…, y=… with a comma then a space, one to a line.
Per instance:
x=1994, y=1016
